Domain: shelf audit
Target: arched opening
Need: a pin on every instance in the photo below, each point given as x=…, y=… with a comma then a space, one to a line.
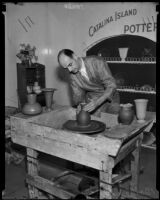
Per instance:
x=138, y=46
x=130, y=74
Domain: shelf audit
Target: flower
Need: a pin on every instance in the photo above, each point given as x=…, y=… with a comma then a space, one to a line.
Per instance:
x=27, y=53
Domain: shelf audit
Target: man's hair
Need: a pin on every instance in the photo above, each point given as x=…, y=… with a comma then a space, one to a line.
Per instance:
x=67, y=52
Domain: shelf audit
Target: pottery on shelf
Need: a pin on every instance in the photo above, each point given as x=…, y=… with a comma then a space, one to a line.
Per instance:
x=123, y=53
x=36, y=88
x=126, y=114
x=31, y=107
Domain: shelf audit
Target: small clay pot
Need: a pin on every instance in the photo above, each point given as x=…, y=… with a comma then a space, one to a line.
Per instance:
x=126, y=114
x=83, y=118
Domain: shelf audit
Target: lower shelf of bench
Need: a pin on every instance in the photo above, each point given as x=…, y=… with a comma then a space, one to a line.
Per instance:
x=50, y=187
x=68, y=185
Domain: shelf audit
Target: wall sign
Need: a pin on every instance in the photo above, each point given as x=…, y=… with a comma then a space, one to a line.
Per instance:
x=148, y=26
x=143, y=27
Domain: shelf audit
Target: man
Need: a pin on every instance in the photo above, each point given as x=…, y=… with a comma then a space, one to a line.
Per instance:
x=91, y=82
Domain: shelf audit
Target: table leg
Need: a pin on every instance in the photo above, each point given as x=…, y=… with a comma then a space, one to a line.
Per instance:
x=135, y=169
x=32, y=165
x=105, y=184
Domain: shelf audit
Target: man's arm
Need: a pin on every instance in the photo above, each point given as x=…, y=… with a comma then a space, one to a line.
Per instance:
x=104, y=74
x=108, y=81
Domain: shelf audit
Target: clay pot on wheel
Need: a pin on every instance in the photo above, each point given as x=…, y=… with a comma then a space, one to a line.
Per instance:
x=126, y=114
x=31, y=107
x=83, y=117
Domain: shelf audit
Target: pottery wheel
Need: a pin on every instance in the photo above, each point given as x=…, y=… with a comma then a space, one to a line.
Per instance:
x=92, y=128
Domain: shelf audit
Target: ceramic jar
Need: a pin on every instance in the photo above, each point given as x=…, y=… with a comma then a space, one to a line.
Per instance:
x=31, y=107
x=126, y=114
x=83, y=117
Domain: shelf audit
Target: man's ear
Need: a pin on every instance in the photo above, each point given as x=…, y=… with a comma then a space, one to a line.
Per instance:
x=75, y=56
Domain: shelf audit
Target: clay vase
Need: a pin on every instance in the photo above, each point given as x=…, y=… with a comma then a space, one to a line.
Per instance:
x=83, y=118
x=48, y=93
x=31, y=107
x=126, y=114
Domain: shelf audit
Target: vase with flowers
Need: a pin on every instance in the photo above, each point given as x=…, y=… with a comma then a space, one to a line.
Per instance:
x=27, y=54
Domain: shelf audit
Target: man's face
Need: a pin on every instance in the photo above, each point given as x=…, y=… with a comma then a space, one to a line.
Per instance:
x=72, y=64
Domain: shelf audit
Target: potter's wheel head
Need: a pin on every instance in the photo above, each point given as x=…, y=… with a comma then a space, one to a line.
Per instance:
x=92, y=128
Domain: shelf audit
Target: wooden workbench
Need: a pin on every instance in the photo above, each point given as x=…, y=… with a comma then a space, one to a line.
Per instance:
x=44, y=133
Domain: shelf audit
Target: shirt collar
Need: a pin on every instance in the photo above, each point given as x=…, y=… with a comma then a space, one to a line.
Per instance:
x=82, y=66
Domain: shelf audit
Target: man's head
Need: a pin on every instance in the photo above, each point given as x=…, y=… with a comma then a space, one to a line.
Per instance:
x=68, y=60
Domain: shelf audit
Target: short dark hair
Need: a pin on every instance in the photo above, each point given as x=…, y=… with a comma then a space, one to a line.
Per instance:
x=67, y=52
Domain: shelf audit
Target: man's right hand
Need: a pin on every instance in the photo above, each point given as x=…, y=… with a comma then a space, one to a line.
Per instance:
x=78, y=109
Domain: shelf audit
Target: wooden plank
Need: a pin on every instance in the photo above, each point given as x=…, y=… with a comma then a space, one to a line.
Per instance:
x=32, y=167
x=120, y=178
x=135, y=168
x=126, y=132
x=90, y=191
x=78, y=154
x=97, y=142
x=105, y=184
x=49, y=187
x=126, y=149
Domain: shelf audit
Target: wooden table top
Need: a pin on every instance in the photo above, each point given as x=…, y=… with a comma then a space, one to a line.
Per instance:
x=49, y=125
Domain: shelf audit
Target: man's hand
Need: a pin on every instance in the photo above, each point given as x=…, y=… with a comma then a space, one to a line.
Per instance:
x=78, y=109
x=92, y=105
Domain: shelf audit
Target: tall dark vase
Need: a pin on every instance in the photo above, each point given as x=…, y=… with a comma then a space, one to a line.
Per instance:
x=31, y=107
x=48, y=93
